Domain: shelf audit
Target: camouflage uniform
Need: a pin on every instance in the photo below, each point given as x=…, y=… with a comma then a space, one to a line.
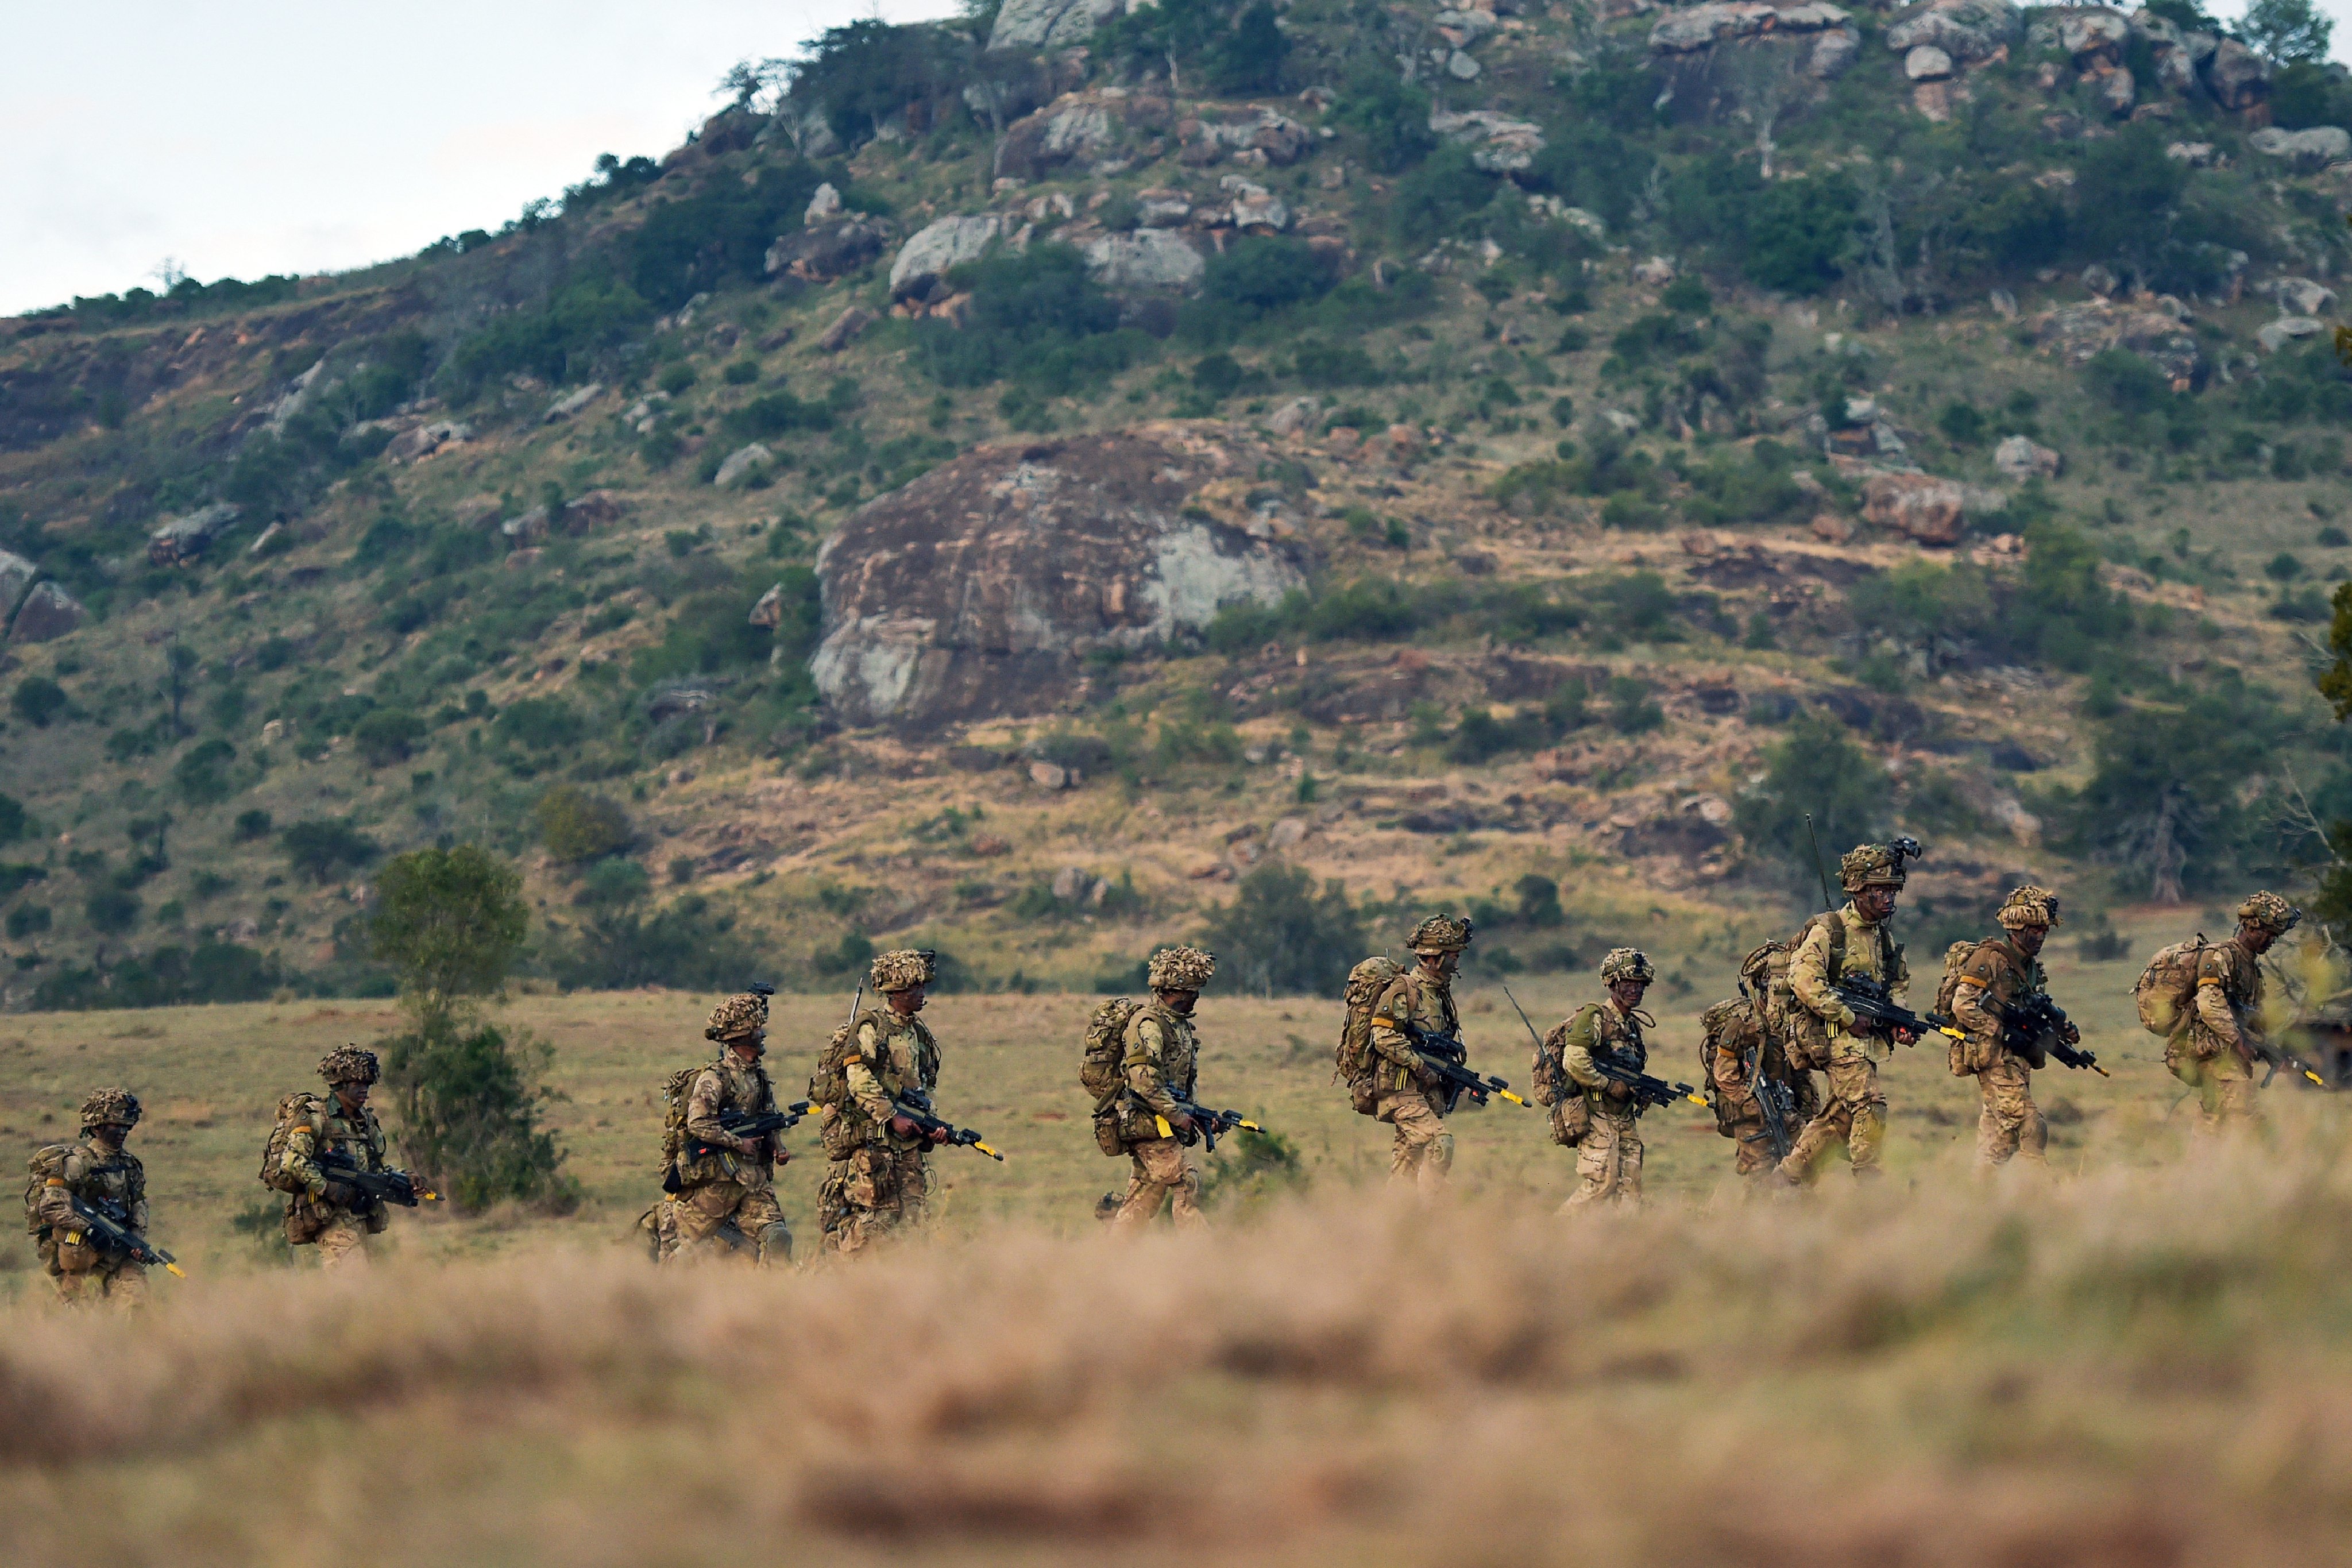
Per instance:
x=2212, y=1050
x=325, y=1213
x=1996, y=976
x=726, y=1201
x=878, y=1182
x=104, y=1174
x=1423, y=1150
x=1741, y=1033
x=1608, y=1155
x=1163, y=1054
x=1854, y=1114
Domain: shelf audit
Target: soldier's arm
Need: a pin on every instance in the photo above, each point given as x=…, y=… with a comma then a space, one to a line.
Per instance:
x=2213, y=1009
x=1146, y=1067
x=301, y=1160
x=864, y=1087
x=1731, y=1061
x=137, y=1199
x=1389, y=1042
x=1576, y=1053
x=702, y=1108
x=1808, y=979
x=55, y=1204
x=1976, y=999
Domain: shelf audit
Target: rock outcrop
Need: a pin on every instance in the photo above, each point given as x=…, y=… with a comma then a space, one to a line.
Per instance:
x=1150, y=259
x=17, y=575
x=181, y=539
x=1928, y=510
x=1499, y=144
x=828, y=249
x=2080, y=332
x=2307, y=151
x=2020, y=457
x=48, y=613
x=939, y=247
x=1049, y=23
x=1687, y=46
x=979, y=589
x=1079, y=128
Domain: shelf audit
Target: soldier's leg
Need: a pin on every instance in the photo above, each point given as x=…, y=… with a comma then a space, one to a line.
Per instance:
x=914, y=1173
x=1424, y=1149
x=869, y=1194
x=124, y=1287
x=1827, y=1131
x=2233, y=1084
x=72, y=1270
x=832, y=1206
x=705, y=1222
x=1140, y=1204
x=1861, y=1091
x=762, y=1219
x=1598, y=1164
x=1629, y=1162
x=341, y=1242
x=2009, y=1124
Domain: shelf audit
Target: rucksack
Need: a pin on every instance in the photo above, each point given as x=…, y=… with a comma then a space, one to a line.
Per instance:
x=1101, y=1065
x=294, y=1111
x=1548, y=1078
x=829, y=1085
x=46, y=1161
x=1715, y=1026
x=1353, y=1056
x=1955, y=959
x=2167, y=986
x=675, y=1089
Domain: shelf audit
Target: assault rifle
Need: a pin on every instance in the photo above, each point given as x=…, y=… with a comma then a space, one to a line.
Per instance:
x=916, y=1107
x=1446, y=1056
x=1647, y=1091
x=2040, y=1025
x=1212, y=1123
x=98, y=1222
x=1874, y=1003
x=1779, y=1106
x=389, y=1186
x=2278, y=1057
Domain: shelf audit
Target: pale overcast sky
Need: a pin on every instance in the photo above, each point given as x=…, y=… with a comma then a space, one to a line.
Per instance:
x=247, y=137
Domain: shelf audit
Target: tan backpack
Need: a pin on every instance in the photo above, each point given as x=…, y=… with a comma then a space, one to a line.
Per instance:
x=296, y=1110
x=829, y=1085
x=2167, y=988
x=1717, y=1021
x=1101, y=1066
x=1353, y=1056
x=1548, y=1078
x=675, y=1089
x=46, y=1161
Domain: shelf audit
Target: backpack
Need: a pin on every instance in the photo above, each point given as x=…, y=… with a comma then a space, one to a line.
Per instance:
x=1353, y=1056
x=1101, y=1065
x=2167, y=986
x=829, y=1086
x=1548, y=1078
x=1955, y=958
x=46, y=1161
x=1715, y=1026
x=675, y=1090
x=296, y=1110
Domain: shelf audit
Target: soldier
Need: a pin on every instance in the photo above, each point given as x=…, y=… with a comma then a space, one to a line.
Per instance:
x=725, y=1203
x=1845, y=942
x=2213, y=1049
x=877, y=1182
x=104, y=1174
x=1999, y=974
x=1744, y=1037
x=1608, y=1155
x=1407, y=1092
x=1163, y=1057
x=321, y=1211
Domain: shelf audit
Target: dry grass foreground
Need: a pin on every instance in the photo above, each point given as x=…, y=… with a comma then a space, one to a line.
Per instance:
x=2126, y=1368
x=211, y=1078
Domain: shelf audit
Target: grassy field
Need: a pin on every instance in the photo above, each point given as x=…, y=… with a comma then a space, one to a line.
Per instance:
x=210, y=1077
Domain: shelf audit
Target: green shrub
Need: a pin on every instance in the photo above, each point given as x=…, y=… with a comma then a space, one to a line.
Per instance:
x=1038, y=318
x=687, y=945
x=1391, y=116
x=576, y=826
x=1815, y=769
x=387, y=735
x=201, y=775
x=321, y=848
x=28, y=920
x=539, y=723
x=1279, y=936
x=14, y=822
x=1800, y=232
x=251, y=824
x=37, y=700
x=111, y=910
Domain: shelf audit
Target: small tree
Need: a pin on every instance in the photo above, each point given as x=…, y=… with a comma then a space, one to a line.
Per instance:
x=2286, y=30
x=450, y=922
x=576, y=826
x=1279, y=936
x=1816, y=770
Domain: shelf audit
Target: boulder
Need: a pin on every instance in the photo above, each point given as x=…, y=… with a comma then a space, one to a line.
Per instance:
x=1077, y=127
x=2195, y=154
x=1254, y=207
x=1833, y=52
x=1462, y=67
x=1968, y=30
x=824, y=206
x=2019, y=457
x=1040, y=24
x=527, y=530
x=16, y=575
x=424, y=440
x=1149, y=258
x=1253, y=134
x=2310, y=151
x=2094, y=36
x=1162, y=208
x=939, y=246
x=741, y=464
x=845, y=326
x=769, y=613
x=1690, y=28
x=583, y=513
x=1499, y=144
x=48, y=613
x=1928, y=510
x=2117, y=92
x=572, y=403
x=824, y=251
x=2302, y=296
x=181, y=539
x=980, y=589
x=2079, y=331
x=1925, y=62
x=2275, y=335
x=1293, y=415
x=2238, y=78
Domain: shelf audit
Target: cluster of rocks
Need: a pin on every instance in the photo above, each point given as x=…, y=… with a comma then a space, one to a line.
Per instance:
x=183, y=539
x=34, y=608
x=2158, y=328
x=575, y=517
x=980, y=589
x=1691, y=47
x=2190, y=63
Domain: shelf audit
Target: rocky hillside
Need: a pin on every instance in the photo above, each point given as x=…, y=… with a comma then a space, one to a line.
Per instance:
x=999, y=484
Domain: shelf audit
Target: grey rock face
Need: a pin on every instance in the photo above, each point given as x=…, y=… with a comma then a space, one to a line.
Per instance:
x=16, y=575
x=48, y=613
x=979, y=589
x=1149, y=258
x=2310, y=150
x=1049, y=23
x=939, y=246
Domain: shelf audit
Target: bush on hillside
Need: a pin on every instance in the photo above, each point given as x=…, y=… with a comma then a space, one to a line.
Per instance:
x=1279, y=936
x=576, y=826
x=1815, y=769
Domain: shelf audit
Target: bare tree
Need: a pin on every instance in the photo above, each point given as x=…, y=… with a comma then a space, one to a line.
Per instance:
x=1763, y=81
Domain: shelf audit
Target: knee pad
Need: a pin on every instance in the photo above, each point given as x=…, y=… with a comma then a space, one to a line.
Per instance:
x=1441, y=1149
x=775, y=1242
